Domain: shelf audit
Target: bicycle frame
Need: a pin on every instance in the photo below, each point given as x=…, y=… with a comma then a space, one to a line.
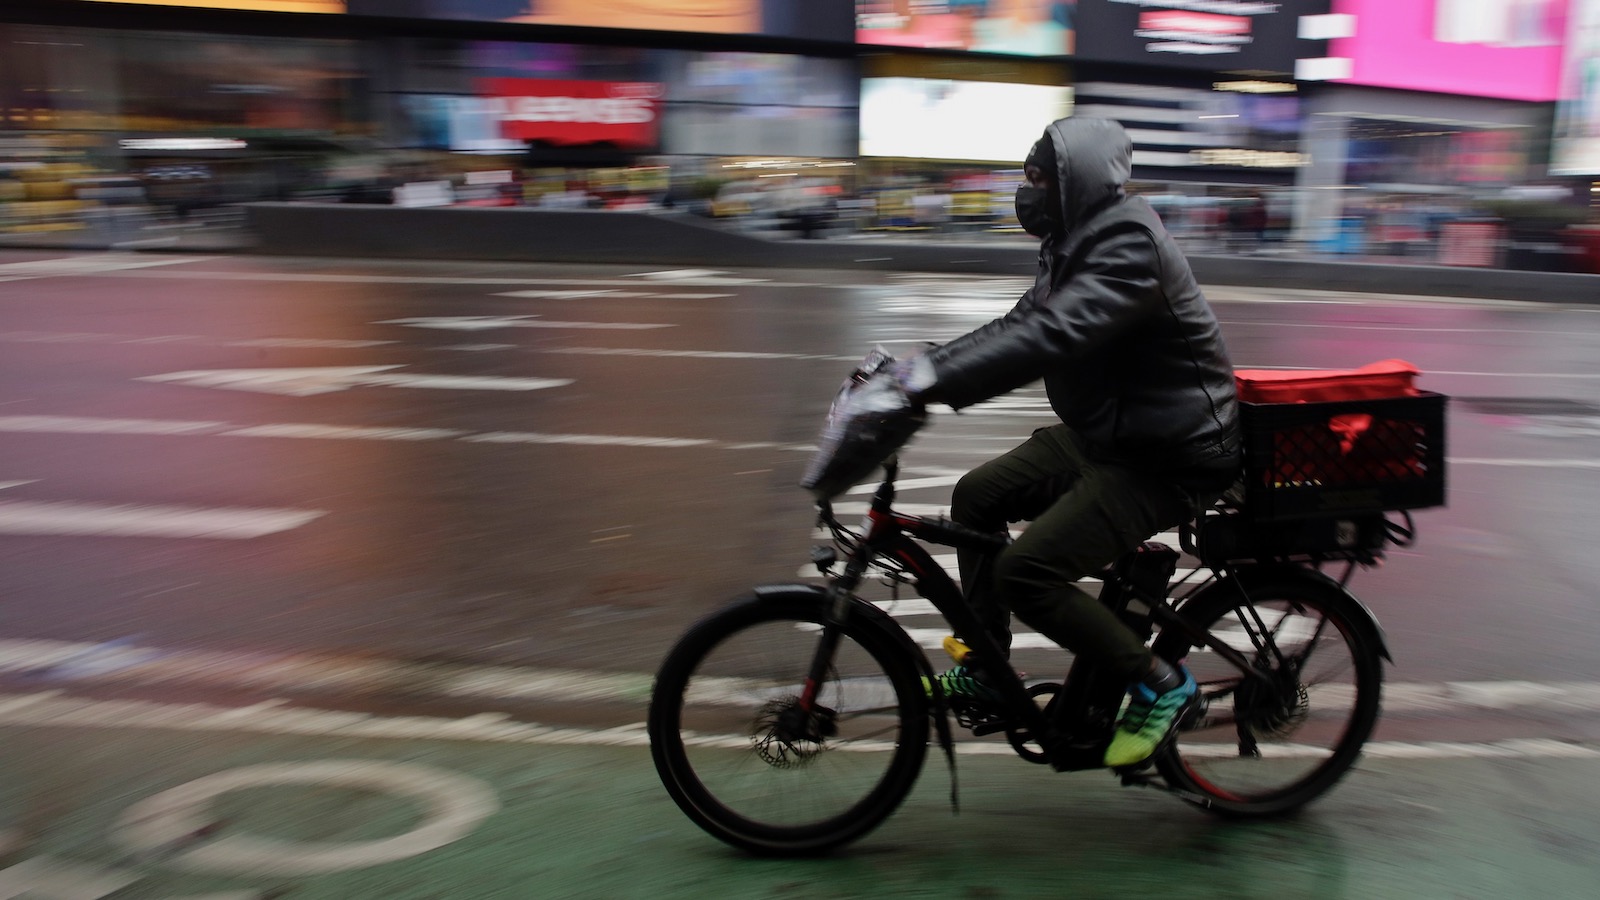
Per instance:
x=892, y=535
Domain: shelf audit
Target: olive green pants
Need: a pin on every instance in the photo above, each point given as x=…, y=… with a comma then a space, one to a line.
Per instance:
x=1083, y=515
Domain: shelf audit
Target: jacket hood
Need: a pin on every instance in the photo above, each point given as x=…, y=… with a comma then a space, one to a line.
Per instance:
x=1094, y=158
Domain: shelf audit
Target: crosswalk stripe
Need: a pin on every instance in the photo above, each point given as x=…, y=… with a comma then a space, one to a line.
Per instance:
x=140, y=520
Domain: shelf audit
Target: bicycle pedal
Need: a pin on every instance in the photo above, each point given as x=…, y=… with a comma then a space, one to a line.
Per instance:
x=1138, y=778
x=989, y=726
x=957, y=649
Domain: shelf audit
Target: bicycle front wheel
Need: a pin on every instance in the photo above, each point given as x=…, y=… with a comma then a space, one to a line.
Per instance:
x=750, y=759
x=1269, y=742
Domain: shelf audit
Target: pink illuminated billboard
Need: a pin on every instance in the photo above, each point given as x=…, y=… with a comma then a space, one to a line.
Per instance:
x=1485, y=48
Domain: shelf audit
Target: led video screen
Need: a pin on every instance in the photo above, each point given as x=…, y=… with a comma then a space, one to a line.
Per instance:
x=826, y=20
x=1509, y=49
x=925, y=118
x=1216, y=35
x=1021, y=27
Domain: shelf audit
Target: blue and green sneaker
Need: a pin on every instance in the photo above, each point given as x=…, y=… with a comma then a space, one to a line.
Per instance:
x=1149, y=721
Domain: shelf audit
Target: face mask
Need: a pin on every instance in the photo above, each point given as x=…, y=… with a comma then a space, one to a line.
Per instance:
x=1034, y=210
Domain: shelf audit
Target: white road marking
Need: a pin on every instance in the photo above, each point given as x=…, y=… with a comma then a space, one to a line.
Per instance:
x=453, y=805
x=52, y=710
x=551, y=294
x=687, y=354
x=307, y=343
x=591, y=440
x=174, y=427
x=943, y=480
x=138, y=520
x=12, y=484
x=605, y=294
x=336, y=432
x=308, y=382
x=1352, y=326
x=486, y=323
x=129, y=664
x=1528, y=463
x=53, y=878
x=465, y=382
x=335, y=278
x=91, y=264
x=1219, y=294
x=697, y=276
x=95, y=425
x=86, y=425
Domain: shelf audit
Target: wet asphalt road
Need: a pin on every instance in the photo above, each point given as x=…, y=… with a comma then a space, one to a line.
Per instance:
x=619, y=451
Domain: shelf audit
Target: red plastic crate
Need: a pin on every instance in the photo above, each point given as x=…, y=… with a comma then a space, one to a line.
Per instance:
x=1344, y=457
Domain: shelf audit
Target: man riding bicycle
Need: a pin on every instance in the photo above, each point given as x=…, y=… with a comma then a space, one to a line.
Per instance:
x=1133, y=363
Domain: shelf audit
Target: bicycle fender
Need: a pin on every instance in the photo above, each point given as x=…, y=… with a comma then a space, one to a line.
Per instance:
x=1253, y=575
x=858, y=608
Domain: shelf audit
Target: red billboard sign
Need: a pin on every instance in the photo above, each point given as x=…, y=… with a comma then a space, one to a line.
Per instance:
x=624, y=113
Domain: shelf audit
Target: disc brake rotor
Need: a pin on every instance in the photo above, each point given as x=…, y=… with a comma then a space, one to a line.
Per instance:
x=786, y=736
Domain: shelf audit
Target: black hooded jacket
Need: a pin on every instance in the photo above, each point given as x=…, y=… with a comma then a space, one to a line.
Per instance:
x=1115, y=323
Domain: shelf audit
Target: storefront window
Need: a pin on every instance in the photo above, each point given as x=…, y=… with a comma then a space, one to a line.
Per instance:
x=54, y=78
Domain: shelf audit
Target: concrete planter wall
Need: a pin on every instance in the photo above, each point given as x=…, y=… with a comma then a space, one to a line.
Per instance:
x=595, y=236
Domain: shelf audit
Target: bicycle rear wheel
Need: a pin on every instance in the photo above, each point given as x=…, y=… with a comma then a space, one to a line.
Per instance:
x=1265, y=746
x=744, y=759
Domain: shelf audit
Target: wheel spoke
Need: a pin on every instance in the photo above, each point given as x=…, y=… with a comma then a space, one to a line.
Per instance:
x=762, y=761
x=1274, y=740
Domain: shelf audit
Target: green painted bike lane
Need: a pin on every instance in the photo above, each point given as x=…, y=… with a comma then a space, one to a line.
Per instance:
x=150, y=812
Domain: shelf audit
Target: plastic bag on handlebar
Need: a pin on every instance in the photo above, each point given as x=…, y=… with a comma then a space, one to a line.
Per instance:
x=869, y=420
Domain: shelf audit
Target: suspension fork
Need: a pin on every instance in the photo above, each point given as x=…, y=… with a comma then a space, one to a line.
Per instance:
x=839, y=594
x=821, y=661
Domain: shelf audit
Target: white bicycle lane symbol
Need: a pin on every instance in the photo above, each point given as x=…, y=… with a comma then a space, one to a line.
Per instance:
x=175, y=827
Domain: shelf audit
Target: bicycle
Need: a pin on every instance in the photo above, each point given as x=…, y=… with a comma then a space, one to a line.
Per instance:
x=797, y=719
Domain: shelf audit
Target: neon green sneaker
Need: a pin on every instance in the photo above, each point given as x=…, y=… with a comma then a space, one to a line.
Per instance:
x=961, y=682
x=1149, y=721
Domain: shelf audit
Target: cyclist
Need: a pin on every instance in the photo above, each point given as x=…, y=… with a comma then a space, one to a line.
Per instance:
x=1134, y=365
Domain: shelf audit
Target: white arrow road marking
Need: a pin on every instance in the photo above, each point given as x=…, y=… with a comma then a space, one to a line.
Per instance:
x=485, y=323
x=311, y=381
x=138, y=520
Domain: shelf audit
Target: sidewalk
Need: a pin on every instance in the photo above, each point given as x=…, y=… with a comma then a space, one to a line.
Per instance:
x=209, y=238
x=244, y=814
